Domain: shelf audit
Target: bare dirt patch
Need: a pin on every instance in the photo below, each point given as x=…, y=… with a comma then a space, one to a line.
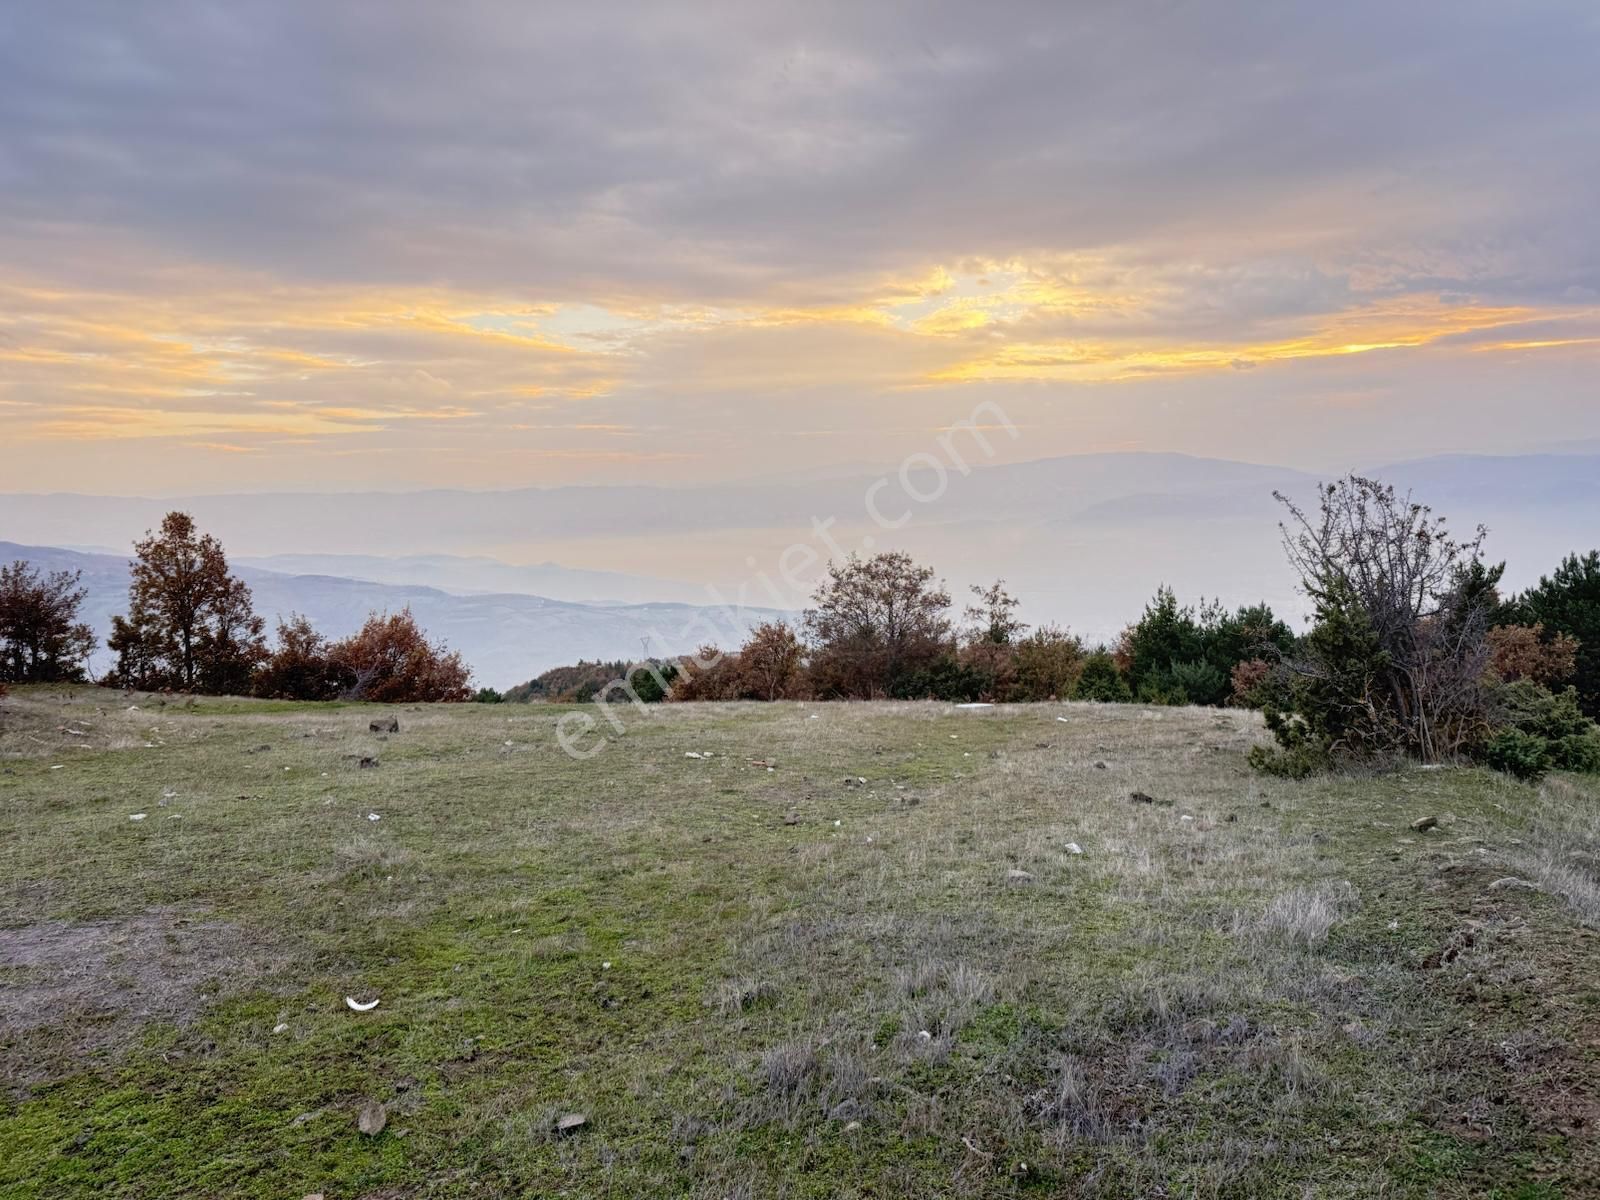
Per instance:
x=69, y=990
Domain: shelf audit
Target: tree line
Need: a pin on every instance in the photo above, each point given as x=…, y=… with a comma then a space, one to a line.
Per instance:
x=1412, y=652
x=191, y=627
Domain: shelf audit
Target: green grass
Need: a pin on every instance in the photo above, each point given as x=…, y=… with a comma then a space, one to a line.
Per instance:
x=1288, y=994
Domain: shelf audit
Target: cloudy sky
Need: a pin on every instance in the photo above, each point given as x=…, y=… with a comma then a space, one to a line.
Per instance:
x=297, y=244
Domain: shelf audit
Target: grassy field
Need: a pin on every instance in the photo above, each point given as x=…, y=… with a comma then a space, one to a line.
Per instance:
x=930, y=952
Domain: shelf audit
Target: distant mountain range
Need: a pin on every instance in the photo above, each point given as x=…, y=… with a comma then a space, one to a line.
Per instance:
x=1082, y=540
x=506, y=638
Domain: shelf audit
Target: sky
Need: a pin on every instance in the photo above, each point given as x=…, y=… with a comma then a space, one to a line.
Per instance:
x=289, y=245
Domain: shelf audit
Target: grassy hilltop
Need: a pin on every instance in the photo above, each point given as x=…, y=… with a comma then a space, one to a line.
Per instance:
x=877, y=969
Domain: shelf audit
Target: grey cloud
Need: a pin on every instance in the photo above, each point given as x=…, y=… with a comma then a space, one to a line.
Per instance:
x=723, y=152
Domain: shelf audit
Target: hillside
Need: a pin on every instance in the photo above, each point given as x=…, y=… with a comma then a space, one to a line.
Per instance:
x=505, y=638
x=784, y=950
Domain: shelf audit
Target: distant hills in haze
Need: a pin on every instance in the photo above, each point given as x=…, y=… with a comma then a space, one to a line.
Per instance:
x=524, y=579
x=507, y=638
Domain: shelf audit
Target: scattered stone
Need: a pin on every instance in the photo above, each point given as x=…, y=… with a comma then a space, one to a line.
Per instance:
x=137, y=816
x=692, y=754
x=1423, y=824
x=281, y=1027
x=853, y=1127
x=372, y=1119
x=1099, y=766
x=392, y=725
x=1512, y=884
x=367, y=762
x=1017, y=875
x=569, y=1123
x=1073, y=848
x=1140, y=797
x=768, y=763
x=791, y=818
x=852, y=781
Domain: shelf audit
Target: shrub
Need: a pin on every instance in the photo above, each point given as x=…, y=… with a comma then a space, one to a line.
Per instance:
x=708, y=675
x=1568, y=602
x=300, y=668
x=1304, y=746
x=1101, y=680
x=1568, y=739
x=945, y=678
x=1250, y=685
x=1527, y=652
x=769, y=664
x=488, y=695
x=1048, y=663
x=1522, y=755
x=1183, y=655
x=1395, y=661
x=391, y=661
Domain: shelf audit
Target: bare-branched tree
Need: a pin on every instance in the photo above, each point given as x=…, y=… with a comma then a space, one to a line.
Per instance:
x=1395, y=664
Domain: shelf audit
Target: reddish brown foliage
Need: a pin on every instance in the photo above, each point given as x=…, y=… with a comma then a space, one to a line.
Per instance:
x=300, y=668
x=1249, y=682
x=41, y=638
x=1526, y=652
x=391, y=661
x=190, y=624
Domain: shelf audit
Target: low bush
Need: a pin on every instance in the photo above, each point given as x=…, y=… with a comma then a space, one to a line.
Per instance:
x=1101, y=681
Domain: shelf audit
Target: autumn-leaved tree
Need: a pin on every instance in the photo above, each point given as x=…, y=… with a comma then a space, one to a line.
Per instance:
x=391, y=661
x=190, y=625
x=877, y=623
x=41, y=638
x=301, y=667
x=769, y=666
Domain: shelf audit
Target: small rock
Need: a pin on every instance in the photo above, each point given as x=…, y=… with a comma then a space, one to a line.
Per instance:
x=1017, y=875
x=1141, y=798
x=1099, y=766
x=853, y=1127
x=569, y=1123
x=1073, y=848
x=1422, y=824
x=1512, y=884
x=392, y=725
x=791, y=818
x=281, y=1027
x=372, y=1119
x=367, y=762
